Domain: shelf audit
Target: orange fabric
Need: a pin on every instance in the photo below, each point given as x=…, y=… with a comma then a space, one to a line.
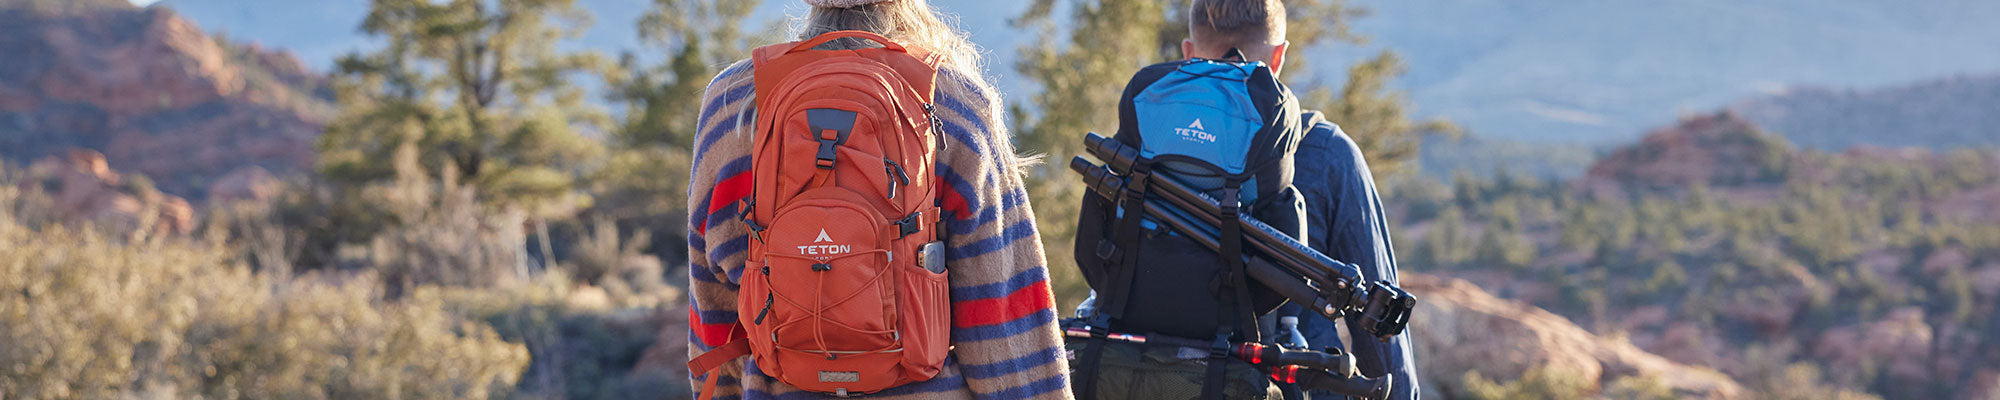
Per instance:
x=833, y=297
x=707, y=362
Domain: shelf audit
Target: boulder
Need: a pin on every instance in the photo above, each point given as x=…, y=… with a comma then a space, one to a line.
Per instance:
x=1458, y=328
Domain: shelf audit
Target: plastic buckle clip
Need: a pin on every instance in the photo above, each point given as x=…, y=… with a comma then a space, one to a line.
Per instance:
x=826, y=156
x=1219, y=349
x=909, y=225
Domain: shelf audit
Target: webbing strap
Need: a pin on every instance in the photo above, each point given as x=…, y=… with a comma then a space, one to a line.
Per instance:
x=708, y=363
x=1235, y=307
x=1126, y=238
x=1126, y=243
x=1088, y=362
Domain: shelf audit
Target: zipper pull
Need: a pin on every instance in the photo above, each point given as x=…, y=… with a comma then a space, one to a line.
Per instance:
x=768, y=298
x=896, y=174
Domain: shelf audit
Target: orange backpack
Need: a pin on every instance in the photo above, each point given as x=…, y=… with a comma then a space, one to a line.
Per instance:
x=844, y=289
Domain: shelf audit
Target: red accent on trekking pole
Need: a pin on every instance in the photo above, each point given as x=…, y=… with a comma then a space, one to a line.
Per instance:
x=1285, y=374
x=1252, y=352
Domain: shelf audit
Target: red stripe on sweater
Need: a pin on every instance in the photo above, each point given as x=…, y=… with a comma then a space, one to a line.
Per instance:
x=712, y=335
x=954, y=202
x=1022, y=302
x=727, y=191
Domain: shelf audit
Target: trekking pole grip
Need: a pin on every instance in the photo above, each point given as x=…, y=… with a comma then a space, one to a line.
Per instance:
x=836, y=35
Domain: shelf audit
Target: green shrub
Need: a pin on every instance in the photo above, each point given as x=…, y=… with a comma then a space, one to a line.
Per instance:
x=86, y=316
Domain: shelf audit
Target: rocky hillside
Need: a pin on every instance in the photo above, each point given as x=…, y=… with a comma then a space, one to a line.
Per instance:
x=152, y=92
x=1712, y=242
x=1939, y=114
x=79, y=187
x=1721, y=150
x=1461, y=329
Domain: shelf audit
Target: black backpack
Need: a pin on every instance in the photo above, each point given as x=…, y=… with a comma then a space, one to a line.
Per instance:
x=1217, y=126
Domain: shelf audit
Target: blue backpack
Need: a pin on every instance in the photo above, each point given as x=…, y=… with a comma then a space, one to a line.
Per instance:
x=1229, y=129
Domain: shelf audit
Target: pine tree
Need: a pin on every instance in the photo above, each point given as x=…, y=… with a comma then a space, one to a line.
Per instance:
x=480, y=93
x=475, y=86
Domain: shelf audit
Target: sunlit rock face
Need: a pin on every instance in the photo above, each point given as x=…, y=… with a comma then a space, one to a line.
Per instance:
x=154, y=94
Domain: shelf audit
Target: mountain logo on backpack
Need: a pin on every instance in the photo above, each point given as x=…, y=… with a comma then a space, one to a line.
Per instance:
x=1196, y=133
x=824, y=249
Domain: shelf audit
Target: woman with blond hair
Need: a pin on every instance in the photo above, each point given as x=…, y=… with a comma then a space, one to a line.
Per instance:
x=998, y=321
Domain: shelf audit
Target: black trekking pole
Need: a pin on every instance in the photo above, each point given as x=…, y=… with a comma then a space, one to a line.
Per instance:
x=1310, y=370
x=1385, y=307
x=1257, y=268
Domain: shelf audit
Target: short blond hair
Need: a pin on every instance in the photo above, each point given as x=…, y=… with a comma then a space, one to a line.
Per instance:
x=1251, y=25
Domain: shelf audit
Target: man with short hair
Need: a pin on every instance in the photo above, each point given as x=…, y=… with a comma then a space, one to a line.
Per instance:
x=1344, y=215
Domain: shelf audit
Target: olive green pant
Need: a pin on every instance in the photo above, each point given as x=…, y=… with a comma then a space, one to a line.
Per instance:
x=1141, y=372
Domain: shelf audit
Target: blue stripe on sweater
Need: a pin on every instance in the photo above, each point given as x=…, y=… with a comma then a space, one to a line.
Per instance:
x=716, y=134
x=988, y=215
x=999, y=289
x=730, y=170
x=736, y=93
x=964, y=112
x=716, y=316
x=732, y=247
x=1008, y=367
x=1005, y=329
x=1007, y=236
x=703, y=273
x=709, y=113
x=959, y=134
x=725, y=213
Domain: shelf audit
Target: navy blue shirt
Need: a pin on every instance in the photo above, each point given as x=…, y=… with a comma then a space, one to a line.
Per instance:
x=1344, y=220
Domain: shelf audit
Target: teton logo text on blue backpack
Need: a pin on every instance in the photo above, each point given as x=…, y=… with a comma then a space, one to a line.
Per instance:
x=1196, y=133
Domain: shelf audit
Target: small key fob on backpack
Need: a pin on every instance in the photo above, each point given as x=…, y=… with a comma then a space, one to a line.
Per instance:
x=932, y=256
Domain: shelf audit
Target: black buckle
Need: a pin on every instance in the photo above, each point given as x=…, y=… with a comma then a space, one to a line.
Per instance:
x=826, y=153
x=1219, y=349
x=1099, y=325
x=822, y=267
x=1230, y=203
x=823, y=121
x=909, y=225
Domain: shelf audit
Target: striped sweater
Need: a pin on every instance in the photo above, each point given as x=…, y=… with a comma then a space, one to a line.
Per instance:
x=1006, y=345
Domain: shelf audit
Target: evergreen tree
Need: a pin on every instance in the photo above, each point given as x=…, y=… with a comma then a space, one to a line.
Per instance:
x=480, y=93
x=475, y=86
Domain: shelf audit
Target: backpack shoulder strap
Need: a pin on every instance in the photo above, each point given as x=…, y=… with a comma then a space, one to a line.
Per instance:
x=710, y=361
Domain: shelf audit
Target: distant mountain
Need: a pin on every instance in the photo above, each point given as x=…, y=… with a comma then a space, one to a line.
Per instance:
x=1961, y=111
x=1604, y=71
x=153, y=93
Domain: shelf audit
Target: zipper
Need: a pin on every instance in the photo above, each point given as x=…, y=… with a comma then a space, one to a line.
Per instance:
x=768, y=297
x=896, y=174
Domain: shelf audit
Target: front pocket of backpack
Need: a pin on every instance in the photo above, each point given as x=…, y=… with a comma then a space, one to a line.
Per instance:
x=829, y=276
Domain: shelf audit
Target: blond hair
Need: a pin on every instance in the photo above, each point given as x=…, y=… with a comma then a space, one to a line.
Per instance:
x=1250, y=25
x=909, y=21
